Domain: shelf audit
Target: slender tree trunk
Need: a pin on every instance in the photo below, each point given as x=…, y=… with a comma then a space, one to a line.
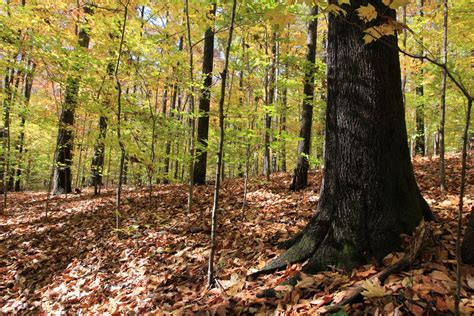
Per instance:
x=191, y=120
x=108, y=168
x=464, y=250
x=125, y=169
x=269, y=98
x=200, y=165
x=369, y=194
x=274, y=94
x=215, y=207
x=174, y=99
x=442, y=173
x=404, y=71
x=300, y=176
x=283, y=128
x=251, y=122
x=118, y=215
x=82, y=179
x=166, y=165
x=6, y=133
x=13, y=162
x=6, y=113
x=62, y=171
x=97, y=164
x=21, y=144
x=420, y=106
x=81, y=149
x=240, y=172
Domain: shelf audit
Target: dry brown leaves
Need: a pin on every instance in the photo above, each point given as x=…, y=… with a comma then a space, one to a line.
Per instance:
x=75, y=261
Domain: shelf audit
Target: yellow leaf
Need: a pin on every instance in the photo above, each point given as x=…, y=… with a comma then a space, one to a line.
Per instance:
x=376, y=32
x=341, y=2
x=371, y=35
x=367, y=13
x=335, y=9
x=395, y=4
x=373, y=288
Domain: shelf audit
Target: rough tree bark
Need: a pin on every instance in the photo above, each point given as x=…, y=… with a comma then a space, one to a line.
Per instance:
x=300, y=176
x=200, y=165
x=369, y=194
x=63, y=161
x=467, y=248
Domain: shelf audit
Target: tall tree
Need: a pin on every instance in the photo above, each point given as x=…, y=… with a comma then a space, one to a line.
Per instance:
x=220, y=150
x=200, y=165
x=300, y=176
x=21, y=141
x=190, y=110
x=269, y=99
x=123, y=159
x=5, y=157
x=444, y=49
x=420, y=106
x=98, y=158
x=174, y=100
x=63, y=157
x=369, y=195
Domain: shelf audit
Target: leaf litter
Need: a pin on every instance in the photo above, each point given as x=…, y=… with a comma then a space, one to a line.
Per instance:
x=75, y=261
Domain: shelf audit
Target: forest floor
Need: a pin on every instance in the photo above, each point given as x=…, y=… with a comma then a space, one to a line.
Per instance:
x=74, y=260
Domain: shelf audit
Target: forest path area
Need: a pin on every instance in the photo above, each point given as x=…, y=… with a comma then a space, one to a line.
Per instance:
x=74, y=260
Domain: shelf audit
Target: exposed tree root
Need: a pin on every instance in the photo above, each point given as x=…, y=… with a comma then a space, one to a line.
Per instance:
x=422, y=237
x=293, y=240
x=301, y=250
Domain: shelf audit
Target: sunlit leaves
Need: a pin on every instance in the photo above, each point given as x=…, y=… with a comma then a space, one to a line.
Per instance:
x=376, y=32
x=367, y=13
x=341, y=2
x=395, y=4
x=279, y=16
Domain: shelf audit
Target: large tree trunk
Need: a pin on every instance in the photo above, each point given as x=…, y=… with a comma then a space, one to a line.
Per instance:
x=467, y=249
x=63, y=160
x=200, y=165
x=300, y=177
x=369, y=194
